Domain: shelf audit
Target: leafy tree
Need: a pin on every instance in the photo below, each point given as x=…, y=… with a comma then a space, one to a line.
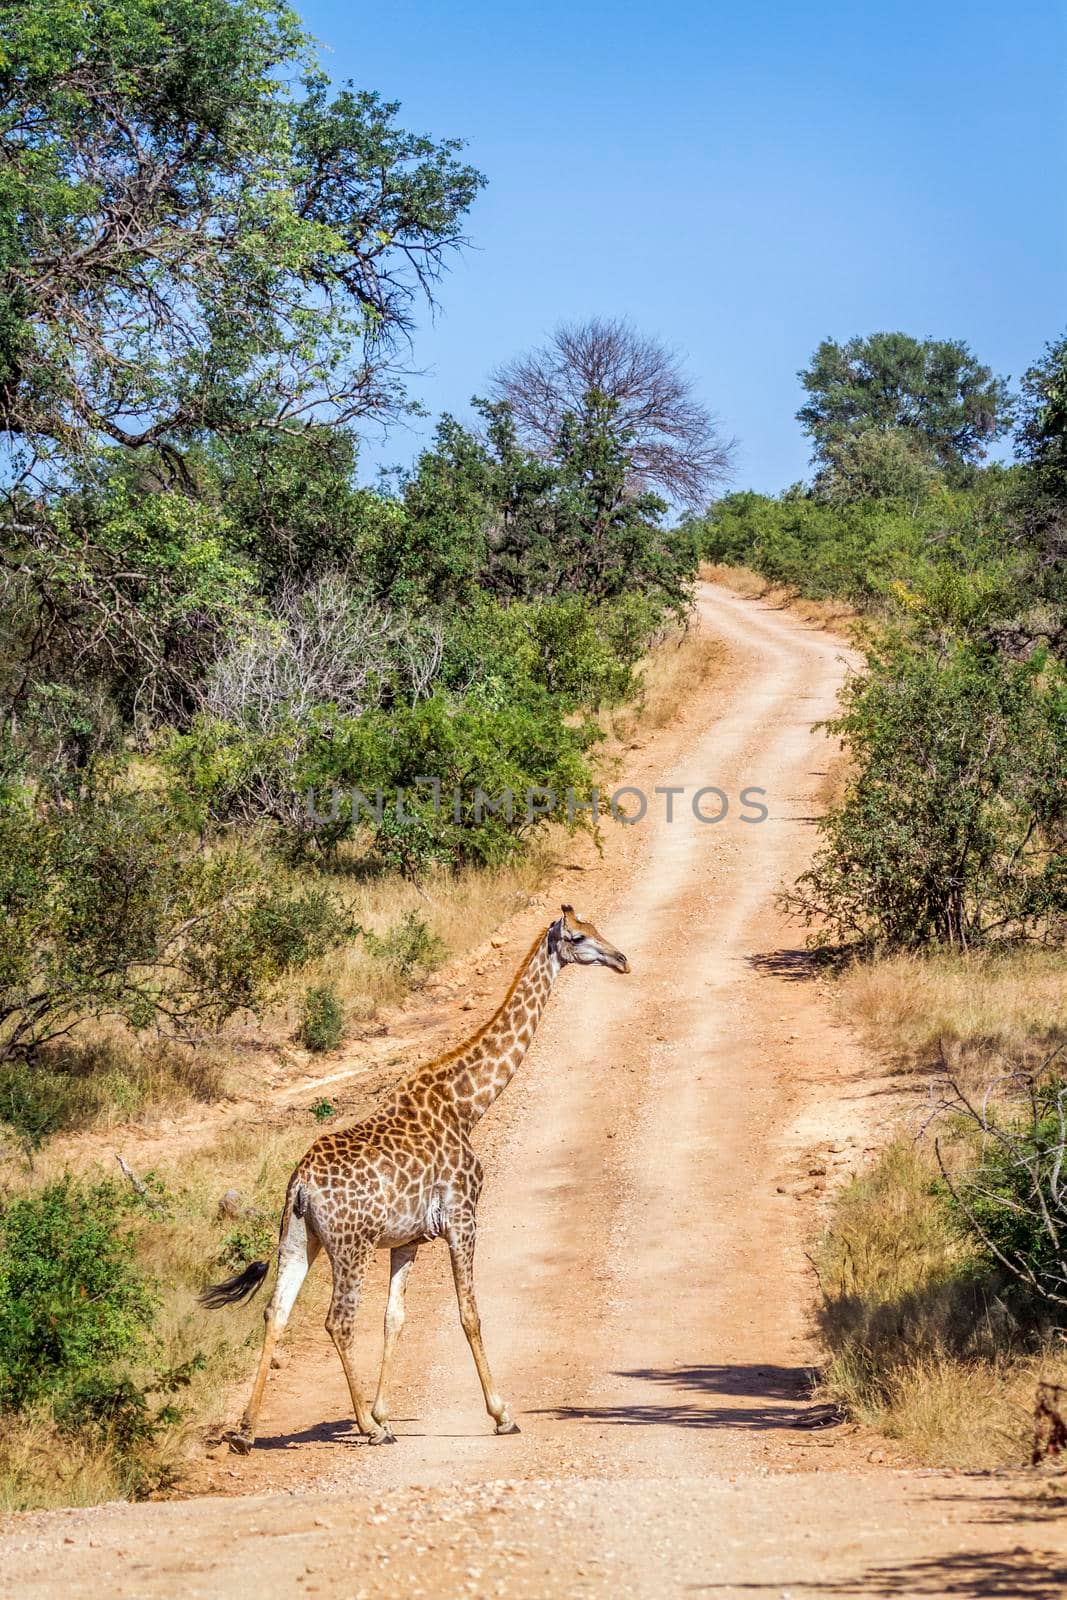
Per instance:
x=187, y=246
x=1042, y=521
x=116, y=599
x=931, y=390
x=1042, y=432
x=954, y=825
x=291, y=503
x=672, y=440
x=880, y=464
x=489, y=514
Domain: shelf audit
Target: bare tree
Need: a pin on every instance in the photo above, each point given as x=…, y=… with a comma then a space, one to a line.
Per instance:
x=675, y=442
x=325, y=645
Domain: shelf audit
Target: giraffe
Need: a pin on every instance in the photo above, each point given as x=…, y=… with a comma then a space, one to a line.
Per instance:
x=404, y=1176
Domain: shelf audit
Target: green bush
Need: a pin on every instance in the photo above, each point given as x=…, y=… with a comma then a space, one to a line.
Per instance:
x=1012, y=1198
x=954, y=825
x=322, y=1019
x=863, y=551
x=73, y=1305
x=410, y=947
x=34, y=1102
x=480, y=744
x=109, y=907
x=253, y=1238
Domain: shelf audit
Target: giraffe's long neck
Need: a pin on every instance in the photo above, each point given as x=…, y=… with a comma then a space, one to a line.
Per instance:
x=484, y=1067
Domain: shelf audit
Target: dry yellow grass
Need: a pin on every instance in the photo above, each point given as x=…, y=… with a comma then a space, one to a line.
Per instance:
x=921, y=1345
x=669, y=677
x=460, y=909
x=41, y=1468
x=101, y=1074
x=971, y=1415
x=742, y=580
x=985, y=1008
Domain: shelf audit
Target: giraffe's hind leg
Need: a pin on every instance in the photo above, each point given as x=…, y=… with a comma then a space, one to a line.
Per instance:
x=296, y=1253
x=401, y=1261
x=348, y=1271
x=460, y=1236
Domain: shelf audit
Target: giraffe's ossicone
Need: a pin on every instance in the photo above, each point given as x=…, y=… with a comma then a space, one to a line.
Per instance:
x=404, y=1176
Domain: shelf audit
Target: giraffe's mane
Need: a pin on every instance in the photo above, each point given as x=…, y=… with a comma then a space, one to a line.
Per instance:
x=458, y=1049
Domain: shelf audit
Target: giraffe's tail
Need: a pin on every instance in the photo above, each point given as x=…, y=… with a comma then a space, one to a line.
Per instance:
x=243, y=1285
x=231, y=1291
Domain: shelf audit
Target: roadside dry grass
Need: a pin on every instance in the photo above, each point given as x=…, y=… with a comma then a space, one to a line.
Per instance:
x=922, y=1342
x=669, y=676
x=102, y=1075
x=983, y=1010
x=458, y=910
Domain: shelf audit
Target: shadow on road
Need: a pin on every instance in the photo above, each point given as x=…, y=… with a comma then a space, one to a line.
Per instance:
x=796, y=966
x=344, y=1428
x=1022, y=1574
x=773, y=1387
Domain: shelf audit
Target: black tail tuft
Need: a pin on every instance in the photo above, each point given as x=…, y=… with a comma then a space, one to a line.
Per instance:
x=242, y=1286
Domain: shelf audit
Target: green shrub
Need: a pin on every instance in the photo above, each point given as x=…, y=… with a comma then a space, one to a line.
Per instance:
x=1012, y=1198
x=322, y=1019
x=864, y=550
x=109, y=907
x=410, y=947
x=73, y=1305
x=490, y=740
x=954, y=825
x=323, y=1110
x=252, y=1239
x=34, y=1102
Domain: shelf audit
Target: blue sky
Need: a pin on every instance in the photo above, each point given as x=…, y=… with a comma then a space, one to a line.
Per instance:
x=740, y=180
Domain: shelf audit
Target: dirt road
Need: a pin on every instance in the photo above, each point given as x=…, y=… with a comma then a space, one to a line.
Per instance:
x=653, y=1176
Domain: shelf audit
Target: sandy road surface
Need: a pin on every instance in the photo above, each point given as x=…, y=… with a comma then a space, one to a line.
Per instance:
x=652, y=1175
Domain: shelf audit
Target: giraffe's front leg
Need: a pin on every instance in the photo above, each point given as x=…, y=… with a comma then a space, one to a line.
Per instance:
x=460, y=1234
x=401, y=1261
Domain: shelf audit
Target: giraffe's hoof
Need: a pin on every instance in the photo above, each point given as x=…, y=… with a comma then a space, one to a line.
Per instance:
x=507, y=1427
x=239, y=1443
x=383, y=1436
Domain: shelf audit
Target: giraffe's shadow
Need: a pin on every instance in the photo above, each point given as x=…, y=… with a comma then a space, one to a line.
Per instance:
x=342, y=1430
x=783, y=1396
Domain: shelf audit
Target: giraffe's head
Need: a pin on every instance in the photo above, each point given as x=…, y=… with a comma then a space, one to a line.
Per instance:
x=580, y=942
